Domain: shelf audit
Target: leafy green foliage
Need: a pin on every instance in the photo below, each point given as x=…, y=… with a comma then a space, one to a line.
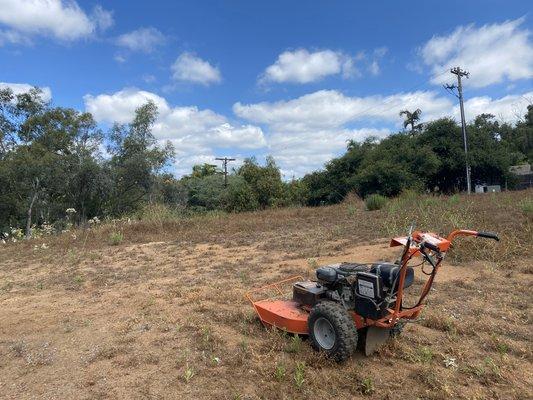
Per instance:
x=433, y=160
x=136, y=159
x=265, y=181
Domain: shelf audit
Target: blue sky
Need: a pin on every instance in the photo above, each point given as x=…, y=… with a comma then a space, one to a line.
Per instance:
x=292, y=79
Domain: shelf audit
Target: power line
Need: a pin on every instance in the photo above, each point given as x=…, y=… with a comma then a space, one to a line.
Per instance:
x=225, y=161
x=450, y=88
x=355, y=116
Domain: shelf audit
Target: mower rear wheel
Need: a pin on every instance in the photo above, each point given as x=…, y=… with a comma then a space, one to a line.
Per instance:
x=332, y=330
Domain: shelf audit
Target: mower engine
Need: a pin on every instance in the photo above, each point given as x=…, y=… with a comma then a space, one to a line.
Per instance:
x=367, y=289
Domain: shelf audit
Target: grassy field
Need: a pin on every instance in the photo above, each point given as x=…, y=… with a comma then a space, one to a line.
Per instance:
x=155, y=309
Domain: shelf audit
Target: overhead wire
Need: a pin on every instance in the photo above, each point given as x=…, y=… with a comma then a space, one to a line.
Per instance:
x=391, y=98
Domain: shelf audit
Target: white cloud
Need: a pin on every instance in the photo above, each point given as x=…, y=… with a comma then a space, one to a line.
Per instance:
x=307, y=131
x=120, y=106
x=302, y=133
x=190, y=68
x=301, y=66
x=119, y=58
x=374, y=68
x=194, y=132
x=19, y=88
x=10, y=36
x=64, y=20
x=301, y=152
x=143, y=40
x=330, y=108
x=149, y=78
x=103, y=19
x=508, y=108
x=491, y=53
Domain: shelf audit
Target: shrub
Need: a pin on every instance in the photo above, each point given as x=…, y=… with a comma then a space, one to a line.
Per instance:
x=375, y=202
x=240, y=196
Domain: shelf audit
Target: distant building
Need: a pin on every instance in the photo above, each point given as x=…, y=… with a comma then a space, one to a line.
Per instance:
x=487, y=188
x=523, y=174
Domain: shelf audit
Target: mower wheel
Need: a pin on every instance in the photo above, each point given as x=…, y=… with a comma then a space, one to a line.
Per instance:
x=332, y=330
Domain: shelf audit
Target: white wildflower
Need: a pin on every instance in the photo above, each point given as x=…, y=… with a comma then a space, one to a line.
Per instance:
x=70, y=211
x=449, y=362
x=47, y=228
x=94, y=221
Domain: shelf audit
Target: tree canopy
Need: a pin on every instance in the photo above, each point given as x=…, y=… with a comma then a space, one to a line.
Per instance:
x=54, y=158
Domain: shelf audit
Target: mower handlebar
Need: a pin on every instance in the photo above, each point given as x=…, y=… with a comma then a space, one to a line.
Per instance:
x=430, y=246
x=488, y=235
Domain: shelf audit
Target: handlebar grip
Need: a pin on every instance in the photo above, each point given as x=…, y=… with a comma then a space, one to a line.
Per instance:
x=430, y=246
x=488, y=235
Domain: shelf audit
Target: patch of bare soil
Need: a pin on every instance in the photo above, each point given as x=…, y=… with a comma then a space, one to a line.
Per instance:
x=168, y=319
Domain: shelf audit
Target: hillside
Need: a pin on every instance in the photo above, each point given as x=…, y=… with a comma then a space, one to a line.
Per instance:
x=155, y=309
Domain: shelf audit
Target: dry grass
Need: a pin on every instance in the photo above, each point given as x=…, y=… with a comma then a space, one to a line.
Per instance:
x=161, y=313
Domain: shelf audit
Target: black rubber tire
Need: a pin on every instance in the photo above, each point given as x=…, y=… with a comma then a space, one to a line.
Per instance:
x=343, y=325
x=397, y=329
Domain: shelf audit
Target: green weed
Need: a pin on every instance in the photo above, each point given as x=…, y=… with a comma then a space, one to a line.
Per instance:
x=367, y=386
x=375, y=202
x=299, y=374
x=115, y=238
x=188, y=374
x=295, y=344
x=280, y=372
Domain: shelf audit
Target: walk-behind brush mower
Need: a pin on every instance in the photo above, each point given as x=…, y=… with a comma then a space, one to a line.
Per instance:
x=355, y=301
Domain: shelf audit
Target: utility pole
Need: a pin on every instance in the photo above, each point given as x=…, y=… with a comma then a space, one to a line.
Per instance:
x=225, y=161
x=460, y=73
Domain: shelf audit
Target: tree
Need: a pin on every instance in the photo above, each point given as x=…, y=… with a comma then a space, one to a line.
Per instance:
x=411, y=118
x=521, y=138
x=265, y=181
x=15, y=111
x=203, y=170
x=136, y=158
x=46, y=150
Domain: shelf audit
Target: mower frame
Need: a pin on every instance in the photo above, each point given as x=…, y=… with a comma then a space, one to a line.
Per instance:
x=292, y=317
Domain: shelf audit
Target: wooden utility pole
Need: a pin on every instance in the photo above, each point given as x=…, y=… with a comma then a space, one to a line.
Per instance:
x=225, y=161
x=460, y=73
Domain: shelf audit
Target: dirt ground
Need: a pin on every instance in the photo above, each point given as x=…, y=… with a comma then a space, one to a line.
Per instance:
x=162, y=315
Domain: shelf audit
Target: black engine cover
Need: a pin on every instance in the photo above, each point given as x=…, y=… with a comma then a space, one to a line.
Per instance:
x=326, y=274
x=389, y=274
x=307, y=293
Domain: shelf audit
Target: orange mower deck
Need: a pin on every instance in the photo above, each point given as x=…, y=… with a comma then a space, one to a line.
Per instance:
x=283, y=314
